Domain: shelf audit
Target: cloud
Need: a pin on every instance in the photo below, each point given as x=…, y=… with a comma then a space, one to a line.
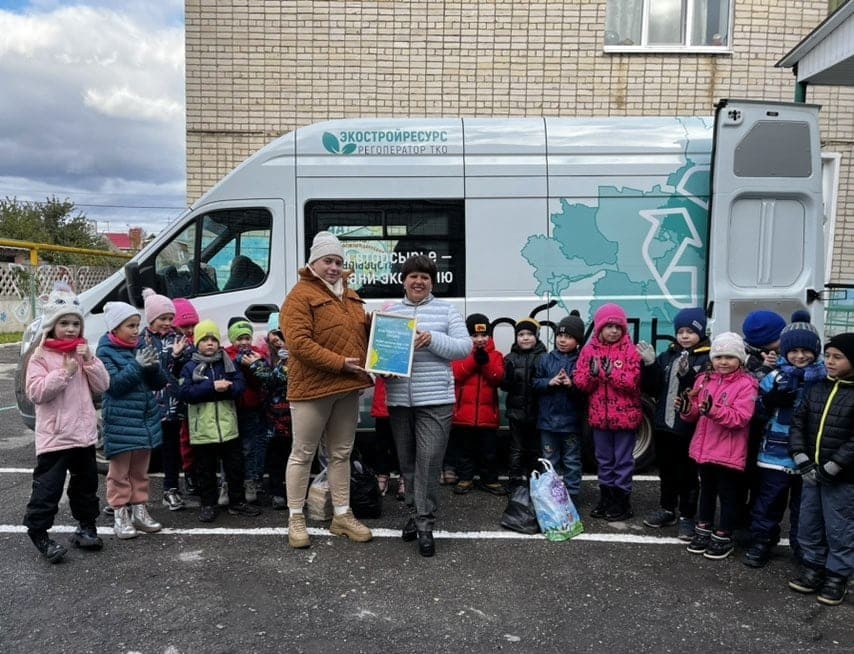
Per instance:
x=93, y=102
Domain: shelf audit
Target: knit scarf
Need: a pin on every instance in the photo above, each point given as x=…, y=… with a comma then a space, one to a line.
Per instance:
x=119, y=342
x=812, y=373
x=66, y=346
x=199, y=372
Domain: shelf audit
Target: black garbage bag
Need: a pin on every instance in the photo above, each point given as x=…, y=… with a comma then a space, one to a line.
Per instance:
x=365, y=498
x=519, y=514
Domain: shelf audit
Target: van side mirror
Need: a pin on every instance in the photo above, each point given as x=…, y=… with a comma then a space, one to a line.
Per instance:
x=133, y=283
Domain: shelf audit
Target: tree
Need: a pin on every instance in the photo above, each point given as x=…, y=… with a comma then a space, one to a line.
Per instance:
x=56, y=222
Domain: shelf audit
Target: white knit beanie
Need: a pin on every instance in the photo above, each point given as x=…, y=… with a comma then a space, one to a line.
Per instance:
x=61, y=302
x=728, y=344
x=115, y=313
x=325, y=244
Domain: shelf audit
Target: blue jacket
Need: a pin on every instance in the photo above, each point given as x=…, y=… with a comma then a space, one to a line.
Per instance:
x=781, y=393
x=130, y=411
x=561, y=408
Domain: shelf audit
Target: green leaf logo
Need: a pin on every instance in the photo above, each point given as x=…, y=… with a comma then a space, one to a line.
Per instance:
x=330, y=142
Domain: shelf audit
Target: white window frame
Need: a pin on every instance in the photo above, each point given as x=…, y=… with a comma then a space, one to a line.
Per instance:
x=645, y=47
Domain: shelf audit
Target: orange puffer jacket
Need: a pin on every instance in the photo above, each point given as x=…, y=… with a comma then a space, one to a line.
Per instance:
x=320, y=332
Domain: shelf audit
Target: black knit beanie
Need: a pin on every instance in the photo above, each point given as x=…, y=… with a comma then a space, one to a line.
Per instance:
x=477, y=323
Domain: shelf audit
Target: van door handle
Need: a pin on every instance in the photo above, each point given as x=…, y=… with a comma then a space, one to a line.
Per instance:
x=260, y=312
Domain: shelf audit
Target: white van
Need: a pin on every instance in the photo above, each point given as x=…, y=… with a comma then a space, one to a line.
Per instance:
x=527, y=215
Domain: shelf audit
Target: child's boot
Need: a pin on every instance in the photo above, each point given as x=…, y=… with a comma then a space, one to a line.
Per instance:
x=621, y=507
x=143, y=521
x=759, y=553
x=701, y=540
x=810, y=579
x=49, y=548
x=122, y=524
x=86, y=537
x=833, y=590
x=720, y=546
x=604, y=503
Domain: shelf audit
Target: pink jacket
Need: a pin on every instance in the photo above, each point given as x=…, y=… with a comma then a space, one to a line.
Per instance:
x=615, y=398
x=721, y=435
x=65, y=413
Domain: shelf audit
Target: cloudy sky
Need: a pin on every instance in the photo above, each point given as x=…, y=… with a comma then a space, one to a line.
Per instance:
x=92, y=107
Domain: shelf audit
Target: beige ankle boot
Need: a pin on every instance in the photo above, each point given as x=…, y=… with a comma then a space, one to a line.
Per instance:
x=347, y=525
x=297, y=533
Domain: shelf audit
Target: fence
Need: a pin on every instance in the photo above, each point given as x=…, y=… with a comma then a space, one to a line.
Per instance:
x=24, y=287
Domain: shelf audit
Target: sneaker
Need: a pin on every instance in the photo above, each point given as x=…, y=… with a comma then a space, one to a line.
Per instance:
x=700, y=541
x=809, y=580
x=758, y=555
x=685, y=529
x=86, y=537
x=297, y=532
x=661, y=518
x=49, y=548
x=401, y=489
x=173, y=500
x=207, y=514
x=250, y=490
x=346, y=524
x=109, y=511
x=223, y=494
x=833, y=591
x=720, y=547
x=279, y=503
x=494, y=488
x=463, y=486
x=191, y=488
x=244, y=509
x=122, y=524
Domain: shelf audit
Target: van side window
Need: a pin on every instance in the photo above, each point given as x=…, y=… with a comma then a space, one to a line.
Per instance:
x=221, y=251
x=379, y=235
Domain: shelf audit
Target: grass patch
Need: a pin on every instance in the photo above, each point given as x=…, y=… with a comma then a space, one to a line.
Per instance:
x=11, y=337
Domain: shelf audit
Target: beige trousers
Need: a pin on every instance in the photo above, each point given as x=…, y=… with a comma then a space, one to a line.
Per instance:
x=337, y=417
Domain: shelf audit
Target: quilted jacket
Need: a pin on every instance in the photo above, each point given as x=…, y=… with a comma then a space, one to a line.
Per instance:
x=130, y=411
x=615, y=398
x=476, y=389
x=321, y=331
x=823, y=426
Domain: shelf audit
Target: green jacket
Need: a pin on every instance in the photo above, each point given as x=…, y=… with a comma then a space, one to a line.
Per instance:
x=211, y=416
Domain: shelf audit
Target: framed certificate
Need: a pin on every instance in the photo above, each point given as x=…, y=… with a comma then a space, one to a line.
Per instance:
x=391, y=345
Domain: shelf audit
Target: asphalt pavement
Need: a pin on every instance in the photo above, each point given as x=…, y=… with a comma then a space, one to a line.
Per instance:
x=236, y=586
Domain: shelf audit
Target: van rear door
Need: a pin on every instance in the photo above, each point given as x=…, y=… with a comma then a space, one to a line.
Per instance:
x=766, y=244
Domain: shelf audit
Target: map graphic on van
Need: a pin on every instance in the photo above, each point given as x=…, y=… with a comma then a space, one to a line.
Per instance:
x=645, y=250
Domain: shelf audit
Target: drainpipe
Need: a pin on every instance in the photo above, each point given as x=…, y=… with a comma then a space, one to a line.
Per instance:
x=800, y=87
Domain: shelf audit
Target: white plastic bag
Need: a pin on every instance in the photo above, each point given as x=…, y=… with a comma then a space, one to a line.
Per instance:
x=558, y=517
x=319, y=502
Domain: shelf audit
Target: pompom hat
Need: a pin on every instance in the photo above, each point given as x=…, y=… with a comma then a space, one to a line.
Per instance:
x=762, y=327
x=61, y=302
x=694, y=319
x=571, y=325
x=477, y=323
x=526, y=324
x=156, y=305
x=728, y=344
x=610, y=314
x=323, y=245
x=185, y=313
x=115, y=313
x=799, y=334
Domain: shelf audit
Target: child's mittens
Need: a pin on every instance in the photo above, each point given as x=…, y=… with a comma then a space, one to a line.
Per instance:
x=683, y=366
x=147, y=357
x=826, y=475
x=706, y=405
x=481, y=356
x=806, y=468
x=594, y=367
x=646, y=352
x=683, y=402
x=607, y=366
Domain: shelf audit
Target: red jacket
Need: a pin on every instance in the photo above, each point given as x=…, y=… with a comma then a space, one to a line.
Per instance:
x=251, y=398
x=476, y=389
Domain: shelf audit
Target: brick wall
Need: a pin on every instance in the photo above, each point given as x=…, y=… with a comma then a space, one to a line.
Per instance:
x=259, y=68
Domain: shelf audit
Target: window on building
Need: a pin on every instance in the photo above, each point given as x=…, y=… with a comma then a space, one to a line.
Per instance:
x=668, y=25
x=379, y=235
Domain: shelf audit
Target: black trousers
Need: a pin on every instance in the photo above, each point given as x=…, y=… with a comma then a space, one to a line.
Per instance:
x=207, y=459
x=49, y=479
x=525, y=448
x=678, y=472
x=724, y=483
x=477, y=453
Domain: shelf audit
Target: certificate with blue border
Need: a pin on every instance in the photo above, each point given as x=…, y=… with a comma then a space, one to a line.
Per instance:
x=391, y=345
